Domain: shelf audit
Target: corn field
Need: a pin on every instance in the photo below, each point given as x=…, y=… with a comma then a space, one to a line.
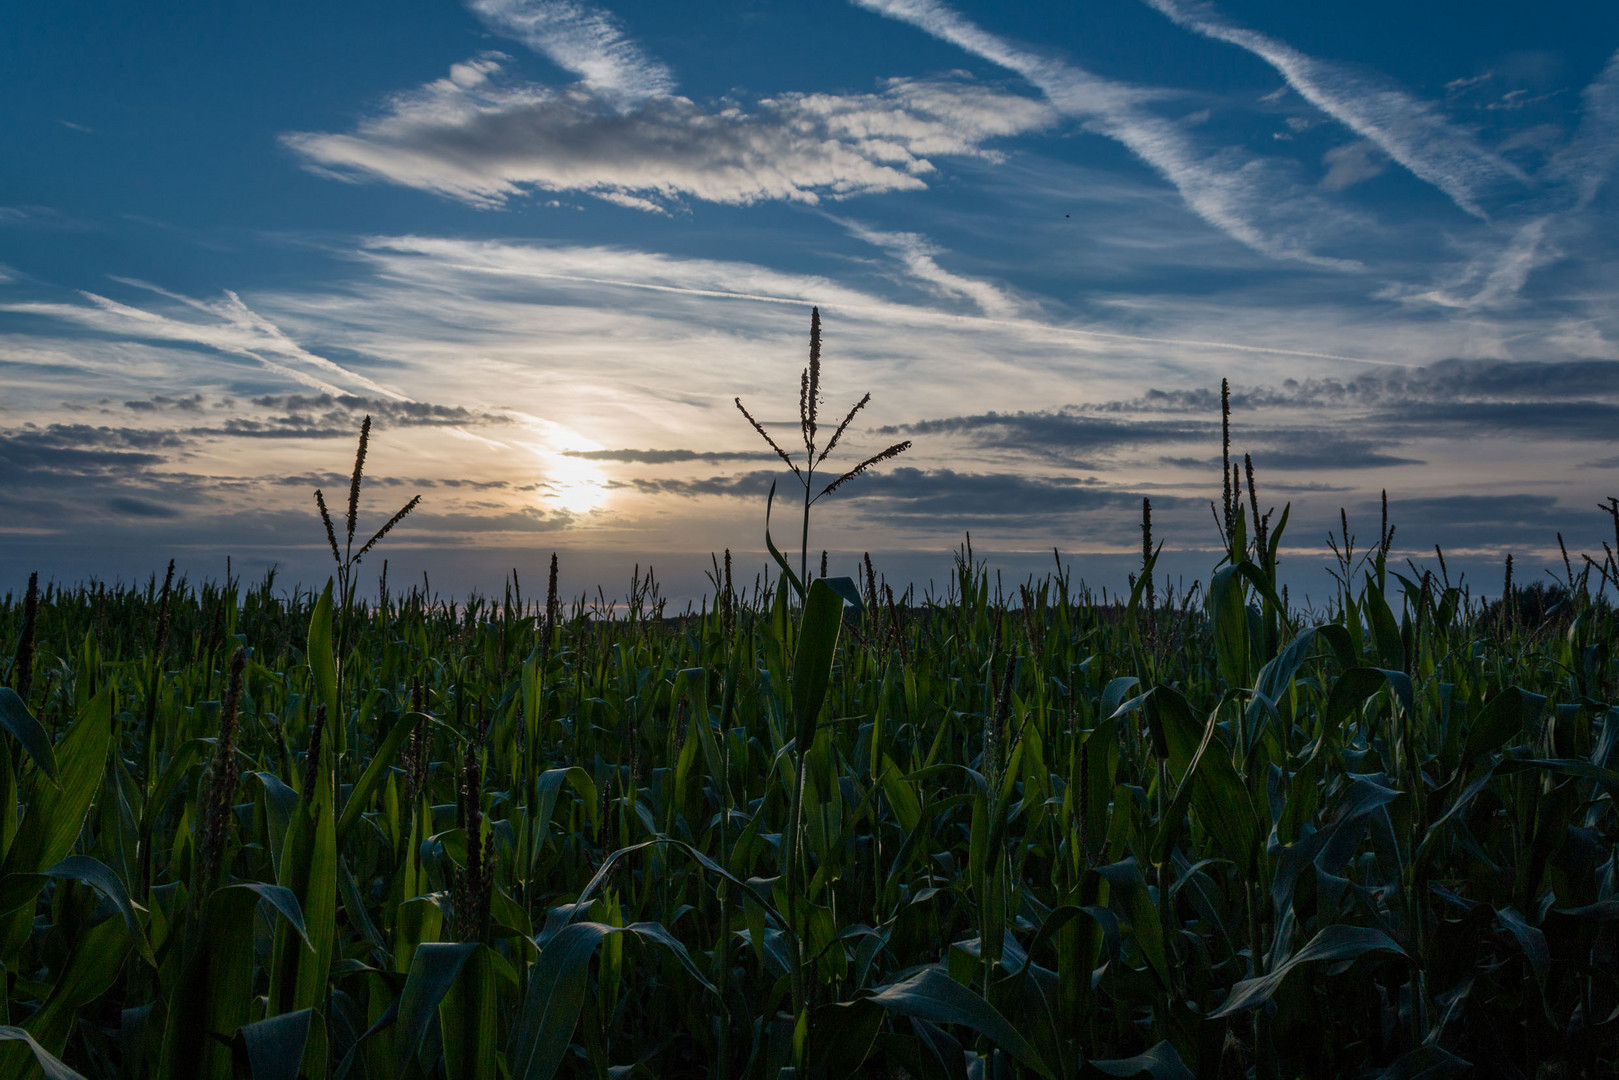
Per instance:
x=271, y=835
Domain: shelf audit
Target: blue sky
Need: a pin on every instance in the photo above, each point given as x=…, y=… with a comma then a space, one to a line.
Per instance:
x=546, y=243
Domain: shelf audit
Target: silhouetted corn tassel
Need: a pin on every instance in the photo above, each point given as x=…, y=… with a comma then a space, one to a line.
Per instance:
x=22, y=661
x=474, y=885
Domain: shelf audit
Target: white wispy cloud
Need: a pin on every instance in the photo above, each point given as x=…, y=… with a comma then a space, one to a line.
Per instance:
x=1559, y=224
x=227, y=326
x=1407, y=129
x=1588, y=162
x=480, y=138
x=583, y=39
x=1492, y=277
x=917, y=254
x=446, y=270
x=1258, y=202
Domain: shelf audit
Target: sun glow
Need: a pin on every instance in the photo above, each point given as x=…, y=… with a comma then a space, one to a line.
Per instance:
x=576, y=485
x=572, y=484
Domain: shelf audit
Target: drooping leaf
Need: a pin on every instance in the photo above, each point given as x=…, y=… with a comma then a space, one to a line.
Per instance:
x=1161, y=1063
x=52, y=1068
x=1336, y=942
x=100, y=876
x=934, y=996
x=57, y=811
x=1504, y=716
x=15, y=718
x=556, y=992
x=275, y=1046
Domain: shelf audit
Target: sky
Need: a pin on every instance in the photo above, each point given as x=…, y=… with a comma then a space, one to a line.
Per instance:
x=545, y=244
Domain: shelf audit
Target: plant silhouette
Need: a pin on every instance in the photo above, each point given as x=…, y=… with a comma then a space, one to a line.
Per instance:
x=809, y=403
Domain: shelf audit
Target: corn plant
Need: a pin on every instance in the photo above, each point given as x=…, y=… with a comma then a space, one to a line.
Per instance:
x=809, y=405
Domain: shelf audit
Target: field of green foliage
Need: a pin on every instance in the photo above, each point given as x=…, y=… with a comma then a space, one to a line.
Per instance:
x=247, y=833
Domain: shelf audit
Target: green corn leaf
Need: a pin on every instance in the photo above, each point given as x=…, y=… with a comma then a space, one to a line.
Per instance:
x=90, y=970
x=1170, y=824
x=48, y=1064
x=57, y=811
x=934, y=996
x=214, y=996
x=944, y=1051
x=692, y=685
x=1531, y=941
x=1503, y=717
x=1277, y=675
x=557, y=988
x=1209, y=783
x=388, y=749
x=283, y=901
x=1337, y=942
x=549, y=786
x=1426, y=1062
x=846, y=588
x=812, y=661
x=433, y=970
x=15, y=718
x=98, y=875
x=1160, y=1063
x=468, y=1022
x=189, y=753
x=770, y=544
x=1228, y=615
x=1354, y=687
x=1385, y=630
x=308, y=870
x=275, y=1047
x=323, y=665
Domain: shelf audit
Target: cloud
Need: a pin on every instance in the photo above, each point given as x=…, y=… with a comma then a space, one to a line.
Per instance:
x=583, y=39
x=141, y=508
x=1080, y=430
x=1057, y=433
x=1546, y=229
x=1409, y=130
x=321, y=415
x=80, y=450
x=1588, y=162
x=1256, y=201
x=916, y=253
x=1451, y=381
x=1350, y=164
x=913, y=495
x=667, y=457
x=229, y=326
x=1477, y=509
x=481, y=139
x=1540, y=420
x=164, y=403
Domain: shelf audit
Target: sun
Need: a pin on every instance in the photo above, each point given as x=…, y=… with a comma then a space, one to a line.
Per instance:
x=568, y=482
x=575, y=484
